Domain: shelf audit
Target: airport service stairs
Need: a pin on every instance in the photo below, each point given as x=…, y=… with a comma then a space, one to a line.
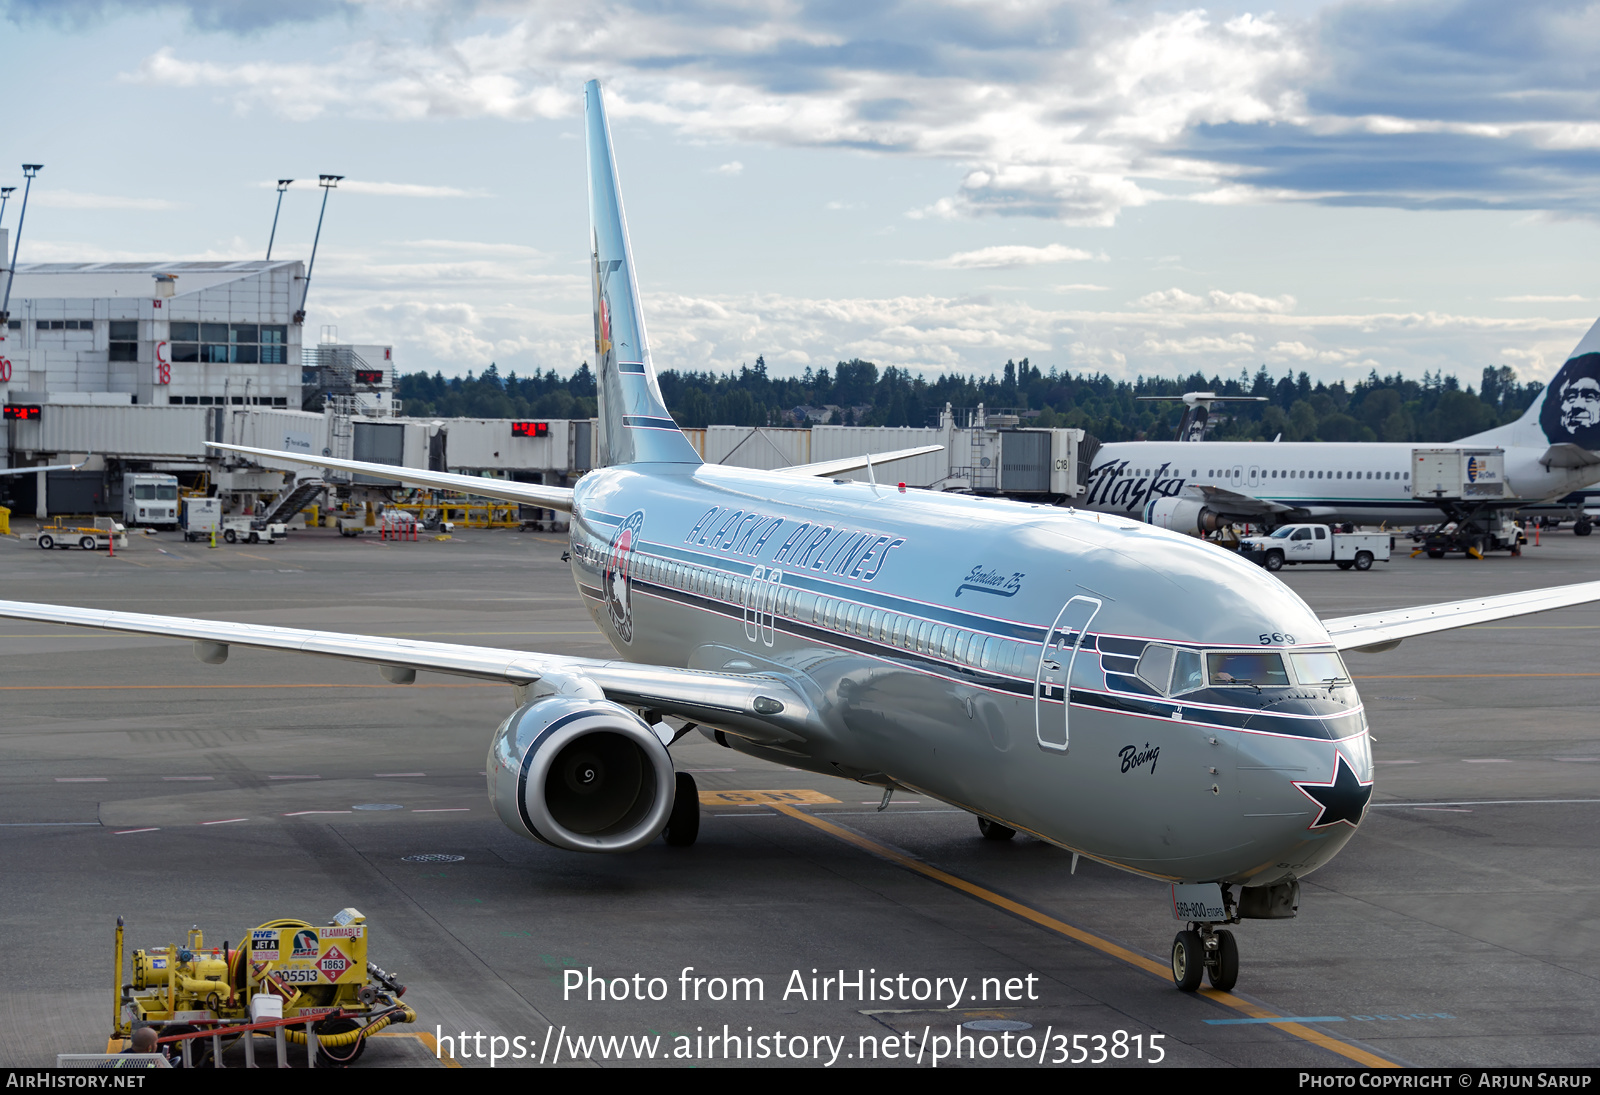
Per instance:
x=296, y=499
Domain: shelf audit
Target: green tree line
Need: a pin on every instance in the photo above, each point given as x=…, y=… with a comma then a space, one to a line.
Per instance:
x=1436, y=408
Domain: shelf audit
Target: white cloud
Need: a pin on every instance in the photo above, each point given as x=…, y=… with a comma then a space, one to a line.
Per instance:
x=1005, y=256
x=1536, y=299
x=1177, y=300
x=71, y=199
x=733, y=167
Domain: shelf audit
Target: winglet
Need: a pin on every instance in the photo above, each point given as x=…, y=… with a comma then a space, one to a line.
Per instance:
x=635, y=426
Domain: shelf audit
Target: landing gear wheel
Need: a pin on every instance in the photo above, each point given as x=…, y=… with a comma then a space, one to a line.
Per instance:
x=1345, y=565
x=993, y=830
x=1583, y=528
x=1223, y=969
x=683, y=825
x=1188, y=960
x=1363, y=560
x=231, y=536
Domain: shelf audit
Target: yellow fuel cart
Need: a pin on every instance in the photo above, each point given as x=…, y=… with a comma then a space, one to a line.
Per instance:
x=282, y=979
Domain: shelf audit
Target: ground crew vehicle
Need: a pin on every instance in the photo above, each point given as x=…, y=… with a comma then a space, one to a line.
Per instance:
x=96, y=537
x=277, y=973
x=150, y=499
x=200, y=517
x=1292, y=544
x=253, y=530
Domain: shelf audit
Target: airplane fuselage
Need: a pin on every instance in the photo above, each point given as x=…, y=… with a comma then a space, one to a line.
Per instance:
x=1364, y=483
x=935, y=635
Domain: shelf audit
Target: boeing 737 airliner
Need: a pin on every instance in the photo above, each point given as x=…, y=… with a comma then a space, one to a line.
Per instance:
x=1125, y=692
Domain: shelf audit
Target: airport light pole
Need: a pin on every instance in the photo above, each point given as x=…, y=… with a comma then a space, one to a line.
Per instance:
x=327, y=182
x=29, y=170
x=283, y=184
x=5, y=196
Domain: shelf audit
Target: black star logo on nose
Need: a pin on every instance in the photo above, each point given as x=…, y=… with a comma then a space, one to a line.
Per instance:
x=1344, y=798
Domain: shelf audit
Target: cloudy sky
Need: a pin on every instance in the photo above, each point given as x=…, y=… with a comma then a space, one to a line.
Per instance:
x=1131, y=187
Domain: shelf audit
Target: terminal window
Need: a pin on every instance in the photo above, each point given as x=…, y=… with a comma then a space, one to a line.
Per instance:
x=124, y=343
x=222, y=343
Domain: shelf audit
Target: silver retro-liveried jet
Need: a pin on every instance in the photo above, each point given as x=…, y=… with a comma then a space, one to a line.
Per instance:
x=1124, y=692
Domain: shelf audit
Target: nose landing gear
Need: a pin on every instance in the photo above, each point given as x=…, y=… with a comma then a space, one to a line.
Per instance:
x=1202, y=949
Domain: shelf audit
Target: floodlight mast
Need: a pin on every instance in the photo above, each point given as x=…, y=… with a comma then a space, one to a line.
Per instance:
x=29, y=170
x=327, y=182
x=283, y=184
x=5, y=196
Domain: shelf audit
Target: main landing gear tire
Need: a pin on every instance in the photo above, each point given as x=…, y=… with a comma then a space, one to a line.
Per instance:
x=1582, y=528
x=1188, y=960
x=1223, y=968
x=1274, y=560
x=683, y=824
x=993, y=830
x=1363, y=560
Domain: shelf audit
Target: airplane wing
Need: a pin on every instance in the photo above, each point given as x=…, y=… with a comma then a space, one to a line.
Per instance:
x=1379, y=631
x=767, y=709
x=856, y=463
x=1233, y=502
x=532, y=494
x=52, y=467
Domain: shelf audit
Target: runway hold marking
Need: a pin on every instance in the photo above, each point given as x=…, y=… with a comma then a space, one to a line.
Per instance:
x=1089, y=939
x=763, y=798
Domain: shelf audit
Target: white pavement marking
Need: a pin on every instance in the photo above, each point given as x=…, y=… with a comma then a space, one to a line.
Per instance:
x=294, y=777
x=303, y=813
x=80, y=779
x=398, y=775
x=225, y=821
x=183, y=779
x=125, y=832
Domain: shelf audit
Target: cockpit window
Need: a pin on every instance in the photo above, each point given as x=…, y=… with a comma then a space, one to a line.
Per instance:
x=1187, y=674
x=1155, y=666
x=1259, y=669
x=1320, y=667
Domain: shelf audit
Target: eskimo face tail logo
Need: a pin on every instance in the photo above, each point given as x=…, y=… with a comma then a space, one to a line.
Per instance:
x=1571, y=410
x=618, y=581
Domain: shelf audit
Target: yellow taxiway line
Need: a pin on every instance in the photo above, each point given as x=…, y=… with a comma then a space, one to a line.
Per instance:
x=1088, y=939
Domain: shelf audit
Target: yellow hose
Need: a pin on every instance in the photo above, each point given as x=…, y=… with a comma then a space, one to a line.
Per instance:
x=405, y=1014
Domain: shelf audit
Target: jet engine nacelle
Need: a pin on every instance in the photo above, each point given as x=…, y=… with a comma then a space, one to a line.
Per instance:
x=580, y=773
x=1183, y=515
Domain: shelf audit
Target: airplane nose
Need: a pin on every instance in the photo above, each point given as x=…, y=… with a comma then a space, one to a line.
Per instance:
x=1302, y=799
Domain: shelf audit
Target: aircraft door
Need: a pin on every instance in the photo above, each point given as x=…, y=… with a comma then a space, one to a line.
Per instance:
x=759, y=597
x=1052, y=683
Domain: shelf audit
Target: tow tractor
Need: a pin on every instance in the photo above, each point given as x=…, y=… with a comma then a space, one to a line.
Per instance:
x=287, y=980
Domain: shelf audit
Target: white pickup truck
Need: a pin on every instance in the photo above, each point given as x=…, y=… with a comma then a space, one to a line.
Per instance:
x=1293, y=544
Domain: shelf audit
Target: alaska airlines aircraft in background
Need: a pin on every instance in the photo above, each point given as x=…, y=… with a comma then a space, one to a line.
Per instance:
x=1549, y=453
x=1124, y=692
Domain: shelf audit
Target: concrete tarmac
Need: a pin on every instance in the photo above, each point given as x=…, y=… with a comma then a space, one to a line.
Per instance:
x=134, y=781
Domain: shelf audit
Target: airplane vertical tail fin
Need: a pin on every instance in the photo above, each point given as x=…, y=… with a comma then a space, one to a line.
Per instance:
x=635, y=426
x=1566, y=412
